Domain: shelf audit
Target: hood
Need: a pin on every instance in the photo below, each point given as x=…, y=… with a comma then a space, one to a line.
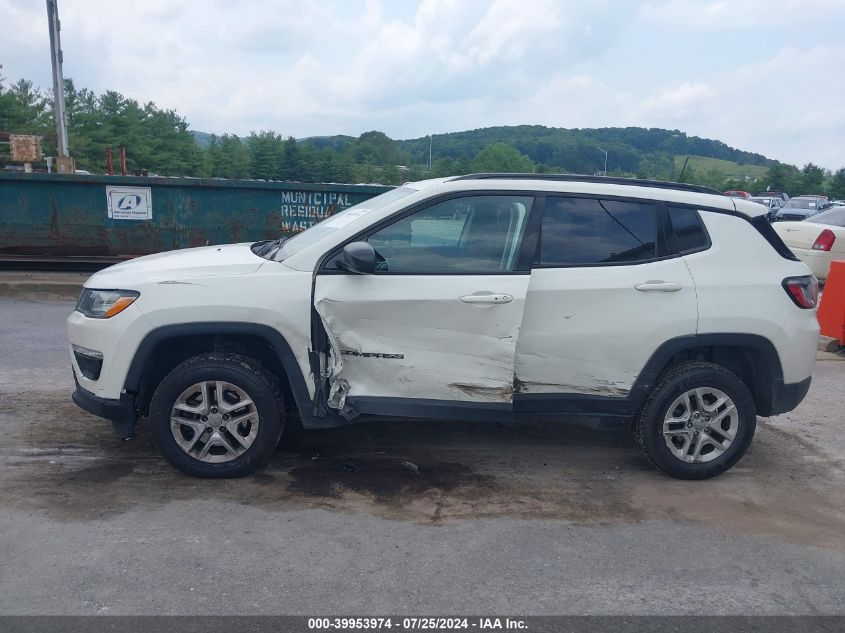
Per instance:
x=188, y=263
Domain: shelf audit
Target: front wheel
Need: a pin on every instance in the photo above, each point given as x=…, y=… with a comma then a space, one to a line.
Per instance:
x=698, y=421
x=217, y=415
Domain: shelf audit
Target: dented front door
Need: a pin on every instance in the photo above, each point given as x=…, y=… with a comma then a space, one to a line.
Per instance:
x=420, y=329
x=448, y=338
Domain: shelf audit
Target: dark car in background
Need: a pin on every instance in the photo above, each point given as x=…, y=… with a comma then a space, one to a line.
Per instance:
x=802, y=207
x=773, y=204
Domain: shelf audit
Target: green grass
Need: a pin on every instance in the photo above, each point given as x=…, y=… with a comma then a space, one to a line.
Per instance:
x=726, y=168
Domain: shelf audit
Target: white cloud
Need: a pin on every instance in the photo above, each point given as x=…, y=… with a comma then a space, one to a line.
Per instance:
x=409, y=68
x=739, y=14
x=677, y=103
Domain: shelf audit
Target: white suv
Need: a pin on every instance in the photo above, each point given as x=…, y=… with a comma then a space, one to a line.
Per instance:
x=491, y=296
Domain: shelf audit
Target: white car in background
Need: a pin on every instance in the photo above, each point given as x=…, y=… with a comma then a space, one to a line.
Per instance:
x=816, y=241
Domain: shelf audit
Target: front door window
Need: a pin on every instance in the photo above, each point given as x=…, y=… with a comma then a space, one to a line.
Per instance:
x=470, y=235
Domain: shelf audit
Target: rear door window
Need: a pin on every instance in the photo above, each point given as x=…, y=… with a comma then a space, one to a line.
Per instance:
x=590, y=231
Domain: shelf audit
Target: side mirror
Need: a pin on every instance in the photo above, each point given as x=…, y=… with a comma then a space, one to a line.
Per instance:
x=358, y=258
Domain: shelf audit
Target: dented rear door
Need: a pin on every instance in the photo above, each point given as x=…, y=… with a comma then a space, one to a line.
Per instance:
x=439, y=321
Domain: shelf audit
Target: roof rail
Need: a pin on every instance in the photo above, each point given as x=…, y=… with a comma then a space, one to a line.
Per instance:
x=610, y=180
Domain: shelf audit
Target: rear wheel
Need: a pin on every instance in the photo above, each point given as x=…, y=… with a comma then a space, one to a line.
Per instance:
x=217, y=415
x=698, y=421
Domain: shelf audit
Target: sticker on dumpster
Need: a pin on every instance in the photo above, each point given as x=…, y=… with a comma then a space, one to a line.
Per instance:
x=129, y=203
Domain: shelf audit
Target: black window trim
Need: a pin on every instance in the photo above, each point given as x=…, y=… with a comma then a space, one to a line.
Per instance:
x=532, y=230
x=528, y=245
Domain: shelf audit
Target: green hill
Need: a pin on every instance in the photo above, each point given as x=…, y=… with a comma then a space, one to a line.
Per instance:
x=631, y=150
x=723, y=169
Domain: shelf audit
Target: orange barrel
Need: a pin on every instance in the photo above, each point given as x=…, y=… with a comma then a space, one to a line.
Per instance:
x=832, y=306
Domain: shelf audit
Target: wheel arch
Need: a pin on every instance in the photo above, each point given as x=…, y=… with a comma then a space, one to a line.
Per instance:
x=753, y=358
x=165, y=347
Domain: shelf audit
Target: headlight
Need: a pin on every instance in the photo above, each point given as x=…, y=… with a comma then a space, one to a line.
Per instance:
x=104, y=304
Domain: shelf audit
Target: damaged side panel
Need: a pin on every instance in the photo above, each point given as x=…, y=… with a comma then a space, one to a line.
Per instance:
x=589, y=331
x=412, y=337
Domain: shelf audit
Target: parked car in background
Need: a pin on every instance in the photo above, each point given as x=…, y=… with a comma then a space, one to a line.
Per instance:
x=797, y=209
x=837, y=203
x=817, y=240
x=772, y=204
x=774, y=194
x=738, y=194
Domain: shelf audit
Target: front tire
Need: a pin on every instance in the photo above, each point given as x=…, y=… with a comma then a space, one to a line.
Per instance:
x=697, y=422
x=217, y=415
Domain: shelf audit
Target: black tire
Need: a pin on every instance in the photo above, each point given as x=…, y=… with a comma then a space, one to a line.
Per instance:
x=648, y=426
x=248, y=375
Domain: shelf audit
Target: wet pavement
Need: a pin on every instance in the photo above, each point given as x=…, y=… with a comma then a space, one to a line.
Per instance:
x=406, y=517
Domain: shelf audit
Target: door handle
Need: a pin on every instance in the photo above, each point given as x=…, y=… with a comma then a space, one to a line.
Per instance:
x=491, y=298
x=658, y=286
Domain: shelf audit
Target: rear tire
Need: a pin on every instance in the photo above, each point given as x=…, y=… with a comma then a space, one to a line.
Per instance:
x=697, y=422
x=217, y=415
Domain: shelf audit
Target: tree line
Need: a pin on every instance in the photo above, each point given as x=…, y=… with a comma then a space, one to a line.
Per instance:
x=159, y=141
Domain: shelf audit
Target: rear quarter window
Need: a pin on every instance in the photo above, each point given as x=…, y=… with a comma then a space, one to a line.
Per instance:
x=690, y=233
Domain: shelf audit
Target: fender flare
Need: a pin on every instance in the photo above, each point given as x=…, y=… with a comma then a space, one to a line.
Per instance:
x=273, y=337
x=661, y=357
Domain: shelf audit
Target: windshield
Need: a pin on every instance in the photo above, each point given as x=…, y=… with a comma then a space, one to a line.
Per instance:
x=798, y=203
x=318, y=231
x=836, y=217
x=765, y=201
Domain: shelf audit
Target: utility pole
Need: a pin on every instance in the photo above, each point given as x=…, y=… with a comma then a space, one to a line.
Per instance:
x=59, y=112
x=601, y=149
x=430, y=141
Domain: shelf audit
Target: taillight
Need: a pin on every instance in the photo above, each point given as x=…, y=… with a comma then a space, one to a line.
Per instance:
x=804, y=291
x=824, y=242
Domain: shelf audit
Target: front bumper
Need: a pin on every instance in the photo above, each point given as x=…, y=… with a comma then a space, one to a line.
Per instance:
x=122, y=413
x=116, y=339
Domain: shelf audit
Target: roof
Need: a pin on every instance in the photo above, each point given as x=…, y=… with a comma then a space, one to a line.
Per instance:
x=613, y=180
x=670, y=192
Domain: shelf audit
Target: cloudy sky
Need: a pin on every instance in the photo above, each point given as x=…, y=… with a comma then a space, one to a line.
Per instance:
x=761, y=75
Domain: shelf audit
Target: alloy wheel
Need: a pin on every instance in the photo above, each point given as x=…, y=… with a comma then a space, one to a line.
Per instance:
x=214, y=421
x=700, y=425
